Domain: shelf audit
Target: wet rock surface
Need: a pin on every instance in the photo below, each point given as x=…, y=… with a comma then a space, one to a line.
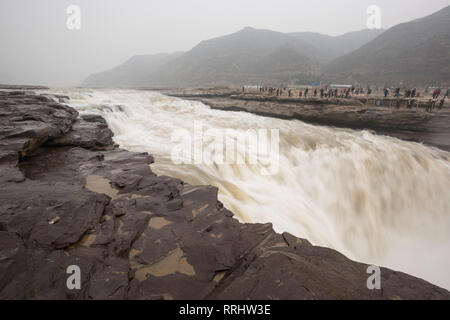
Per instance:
x=65, y=200
x=82, y=134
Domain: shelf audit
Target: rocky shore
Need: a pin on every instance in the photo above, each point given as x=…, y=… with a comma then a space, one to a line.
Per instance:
x=361, y=113
x=69, y=196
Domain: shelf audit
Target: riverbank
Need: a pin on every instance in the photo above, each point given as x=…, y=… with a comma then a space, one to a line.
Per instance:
x=360, y=113
x=71, y=197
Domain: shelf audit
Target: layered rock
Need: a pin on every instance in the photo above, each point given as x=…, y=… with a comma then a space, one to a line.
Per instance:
x=135, y=235
x=21, y=87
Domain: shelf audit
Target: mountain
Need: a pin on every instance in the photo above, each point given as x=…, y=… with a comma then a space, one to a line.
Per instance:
x=330, y=48
x=416, y=52
x=247, y=56
x=136, y=71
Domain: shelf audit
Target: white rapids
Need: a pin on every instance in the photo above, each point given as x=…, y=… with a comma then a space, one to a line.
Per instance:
x=376, y=199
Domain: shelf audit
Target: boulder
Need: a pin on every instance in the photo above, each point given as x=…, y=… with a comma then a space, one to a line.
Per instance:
x=86, y=134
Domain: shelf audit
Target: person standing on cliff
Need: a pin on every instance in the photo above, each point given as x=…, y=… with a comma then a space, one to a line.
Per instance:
x=430, y=105
x=436, y=93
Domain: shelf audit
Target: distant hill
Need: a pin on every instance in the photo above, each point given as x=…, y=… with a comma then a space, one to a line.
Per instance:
x=247, y=56
x=416, y=52
x=329, y=48
x=137, y=71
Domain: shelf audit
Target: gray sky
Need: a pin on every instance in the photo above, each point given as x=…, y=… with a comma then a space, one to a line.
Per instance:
x=37, y=48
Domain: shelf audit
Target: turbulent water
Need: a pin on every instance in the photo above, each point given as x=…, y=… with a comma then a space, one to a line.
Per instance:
x=375, y=199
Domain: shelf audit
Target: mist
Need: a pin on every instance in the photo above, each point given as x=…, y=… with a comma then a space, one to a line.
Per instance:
x=38, y=48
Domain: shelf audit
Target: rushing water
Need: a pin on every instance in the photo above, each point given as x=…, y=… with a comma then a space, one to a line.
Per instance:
x=375, y=199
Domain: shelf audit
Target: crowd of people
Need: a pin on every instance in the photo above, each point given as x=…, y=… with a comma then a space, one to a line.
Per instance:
x=412, y=94
x=316, y=92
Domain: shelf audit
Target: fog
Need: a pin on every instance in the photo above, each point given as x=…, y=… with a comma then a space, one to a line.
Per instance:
x=38, y=48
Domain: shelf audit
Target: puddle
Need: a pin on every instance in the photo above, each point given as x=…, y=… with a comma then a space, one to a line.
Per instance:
x=174, y=262
x=100, y=184
x=158, y=223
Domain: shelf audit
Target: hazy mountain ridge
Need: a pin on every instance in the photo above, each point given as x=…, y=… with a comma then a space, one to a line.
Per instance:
x=135, y=71
x=247, y=56
x=414, y=52
x=334, y=47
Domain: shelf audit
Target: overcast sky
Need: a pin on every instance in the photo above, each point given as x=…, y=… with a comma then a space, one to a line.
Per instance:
x=36, y=47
